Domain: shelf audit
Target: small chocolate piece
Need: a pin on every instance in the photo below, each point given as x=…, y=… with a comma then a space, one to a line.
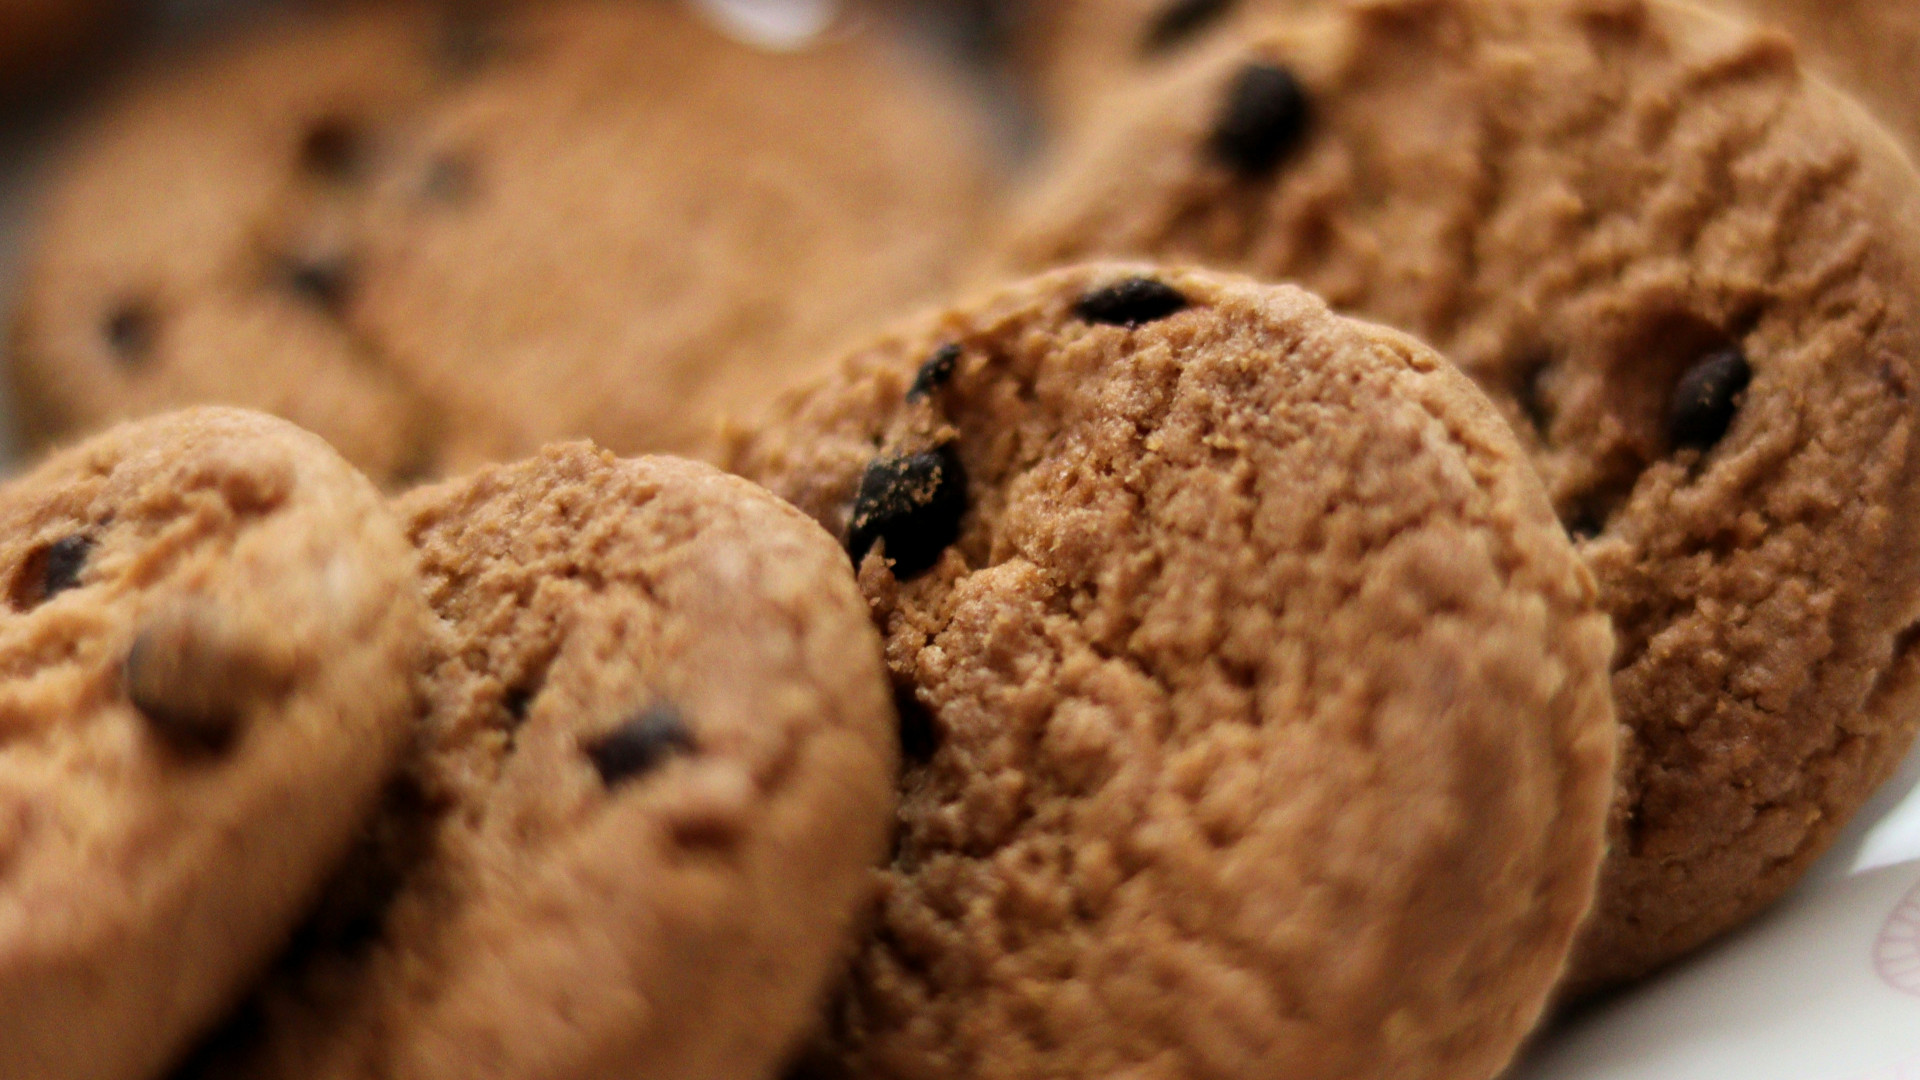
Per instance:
x=449, y=180
x=190, y=679
x=1263, y=119
x=1130, y=303
x=915, y=504
x=322, y=280
x=130, y=333
x=640, y=744
x=1180, y=22
x=516, y=701
x=333, y=149
x=934, y=373
x=1706, y=399
x=50, y=571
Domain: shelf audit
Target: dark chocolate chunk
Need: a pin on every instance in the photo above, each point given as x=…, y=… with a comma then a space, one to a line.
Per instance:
x=1263, y=119
x=934, y=373
x=191, y=693
x=1130, y=303
x=1706, y=399
x=333, y=149
x=919, y=734
x=915, y=504
x=1179, y=22
x=640, y=744
x=516, y=701
x=321, y=280
x=49, y=571
x=130, y=333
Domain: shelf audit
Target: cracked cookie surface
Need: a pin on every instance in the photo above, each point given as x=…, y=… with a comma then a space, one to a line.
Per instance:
x=206, y=656
x=1687, y=274
x=657, y=762
x=1254, y=703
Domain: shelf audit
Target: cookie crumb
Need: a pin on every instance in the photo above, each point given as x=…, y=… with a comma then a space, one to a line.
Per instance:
x=1263, y=120
x=915, y=504
x=640, y=744
x=1130, y=303
x=1706, y=399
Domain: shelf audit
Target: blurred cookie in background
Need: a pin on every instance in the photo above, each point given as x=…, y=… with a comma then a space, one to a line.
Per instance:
x=192, y=246
x=635, y=224
x=1689, y=275
x=444, y=237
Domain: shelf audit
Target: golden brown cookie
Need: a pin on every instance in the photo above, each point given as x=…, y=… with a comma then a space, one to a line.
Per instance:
x=658, y=762
x=639, y=226
x=1255, y=704
x=1690, y=277
x=206, y=654
x=1072, y=53
x=191, y=248
x=587, y=217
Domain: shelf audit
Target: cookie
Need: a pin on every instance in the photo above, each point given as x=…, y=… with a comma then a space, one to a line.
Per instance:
x=206, y=663
x=643, y=226
x=1255, y=705
x=1071, y=53
x=1690, y=277
x=191, y=248
x=441, y=240
x=658, y=761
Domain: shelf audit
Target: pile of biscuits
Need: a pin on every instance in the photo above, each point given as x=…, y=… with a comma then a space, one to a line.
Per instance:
x=578, y=539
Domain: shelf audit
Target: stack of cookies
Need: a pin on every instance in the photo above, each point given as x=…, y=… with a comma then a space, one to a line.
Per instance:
x=570, y=543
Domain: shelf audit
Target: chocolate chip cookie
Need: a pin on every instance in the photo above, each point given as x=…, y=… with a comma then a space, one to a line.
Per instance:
x=658, y=761
x=642, y=226
x=1254, y=702
x=192, y=245
x=210, y=630
x=1690, y=278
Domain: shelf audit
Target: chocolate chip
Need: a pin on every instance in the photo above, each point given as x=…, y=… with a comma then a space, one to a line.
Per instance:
x=934, y=373
x=449, y=180
x=516, y=701
x=1179, y=22
x=640, y=744
x=189, y=680
x=915, y=504
x=1706, y=399
x=321, y=280
x=919, y=735
x=50, y=570
x=130, y=333
x=1262, y=121
x=1130, y=303
x=333, y=149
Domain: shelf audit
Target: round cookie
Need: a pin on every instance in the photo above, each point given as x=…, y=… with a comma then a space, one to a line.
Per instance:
x=206, y=662
x=191, y=247
x=1690, y=277
x=658, y=761
x=1255, y=704
x=1074, y=52
x=643, y=225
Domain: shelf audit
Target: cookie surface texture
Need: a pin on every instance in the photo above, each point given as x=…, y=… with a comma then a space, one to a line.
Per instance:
x=1584, y=205
x=1256, y=716
x=191, y=246
x=658, y=763
x=633, y=226
x=209, y=640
